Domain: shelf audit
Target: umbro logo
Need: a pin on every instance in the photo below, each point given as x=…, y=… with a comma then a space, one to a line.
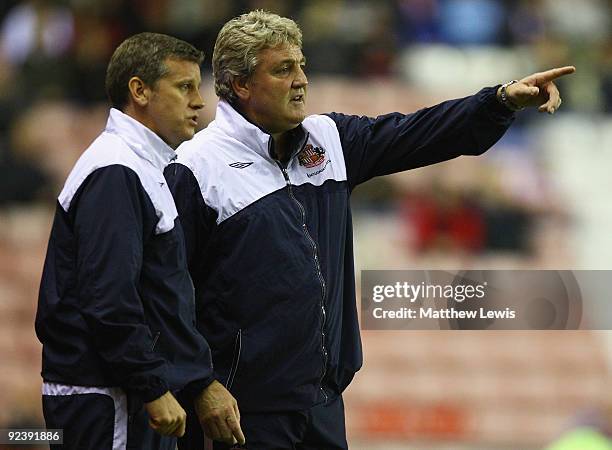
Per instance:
x=240, y=165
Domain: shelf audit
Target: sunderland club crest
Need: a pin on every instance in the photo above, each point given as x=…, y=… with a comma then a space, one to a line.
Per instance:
x=311, y=156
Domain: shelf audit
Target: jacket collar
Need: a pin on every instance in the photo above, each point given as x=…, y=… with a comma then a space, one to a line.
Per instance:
x=144, y=142
x=234, y=124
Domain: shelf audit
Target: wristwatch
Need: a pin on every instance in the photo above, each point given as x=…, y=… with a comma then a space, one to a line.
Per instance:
x=503, y=97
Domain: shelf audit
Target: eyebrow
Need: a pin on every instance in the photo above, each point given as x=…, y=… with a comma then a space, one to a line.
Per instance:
x=291, y=61
x=188, y=80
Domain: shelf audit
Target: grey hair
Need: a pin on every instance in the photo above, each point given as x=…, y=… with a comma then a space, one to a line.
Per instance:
x=239, y=43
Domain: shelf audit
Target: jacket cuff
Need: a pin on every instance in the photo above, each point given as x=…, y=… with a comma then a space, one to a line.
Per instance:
x=492, y=106
x=156, y=389
x=195, y=388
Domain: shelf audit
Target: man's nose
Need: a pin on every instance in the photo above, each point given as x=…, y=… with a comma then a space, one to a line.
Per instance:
x=300, y=80
x=198, y=101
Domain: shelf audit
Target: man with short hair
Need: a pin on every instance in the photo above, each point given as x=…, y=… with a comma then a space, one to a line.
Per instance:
x=115, y=312
x=263, y=194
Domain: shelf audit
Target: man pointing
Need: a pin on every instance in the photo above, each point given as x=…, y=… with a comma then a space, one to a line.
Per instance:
x=263, y=194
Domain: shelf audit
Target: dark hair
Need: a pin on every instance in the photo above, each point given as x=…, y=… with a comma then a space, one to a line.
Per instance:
x=143, y=56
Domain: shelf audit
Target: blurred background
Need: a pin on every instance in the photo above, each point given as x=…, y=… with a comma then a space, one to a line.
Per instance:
x=537, y=200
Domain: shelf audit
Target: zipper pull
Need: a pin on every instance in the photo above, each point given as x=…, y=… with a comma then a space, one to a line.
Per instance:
x=155, y=340
x=284, y=170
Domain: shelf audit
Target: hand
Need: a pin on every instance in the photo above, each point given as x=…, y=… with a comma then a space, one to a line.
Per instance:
x=218, y=412
x=538, y=90
x=166, y=416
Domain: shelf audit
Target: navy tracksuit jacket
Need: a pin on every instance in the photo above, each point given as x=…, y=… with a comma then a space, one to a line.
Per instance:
x=116, y=305
x=270, y=245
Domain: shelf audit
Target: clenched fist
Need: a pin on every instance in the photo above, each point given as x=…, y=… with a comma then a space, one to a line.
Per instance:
x=166, y=416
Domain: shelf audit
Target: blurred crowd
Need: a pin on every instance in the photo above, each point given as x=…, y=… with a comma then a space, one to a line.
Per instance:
x=61, y=47
x=53, y=55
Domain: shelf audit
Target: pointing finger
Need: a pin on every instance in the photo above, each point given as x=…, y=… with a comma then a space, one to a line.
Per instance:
x=553, y=74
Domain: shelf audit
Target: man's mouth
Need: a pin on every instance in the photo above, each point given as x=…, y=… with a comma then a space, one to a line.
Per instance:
x=298, y=98
x=193, y=120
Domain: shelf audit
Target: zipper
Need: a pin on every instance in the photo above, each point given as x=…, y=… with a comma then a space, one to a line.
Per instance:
x=155, y=340
x=235, y=360
x=319, y=274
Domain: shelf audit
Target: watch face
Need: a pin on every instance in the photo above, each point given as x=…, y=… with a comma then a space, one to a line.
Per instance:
x=503, y=96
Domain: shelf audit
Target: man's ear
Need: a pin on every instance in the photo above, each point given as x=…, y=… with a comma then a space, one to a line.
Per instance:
x=139, y=92
x=241, y=88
